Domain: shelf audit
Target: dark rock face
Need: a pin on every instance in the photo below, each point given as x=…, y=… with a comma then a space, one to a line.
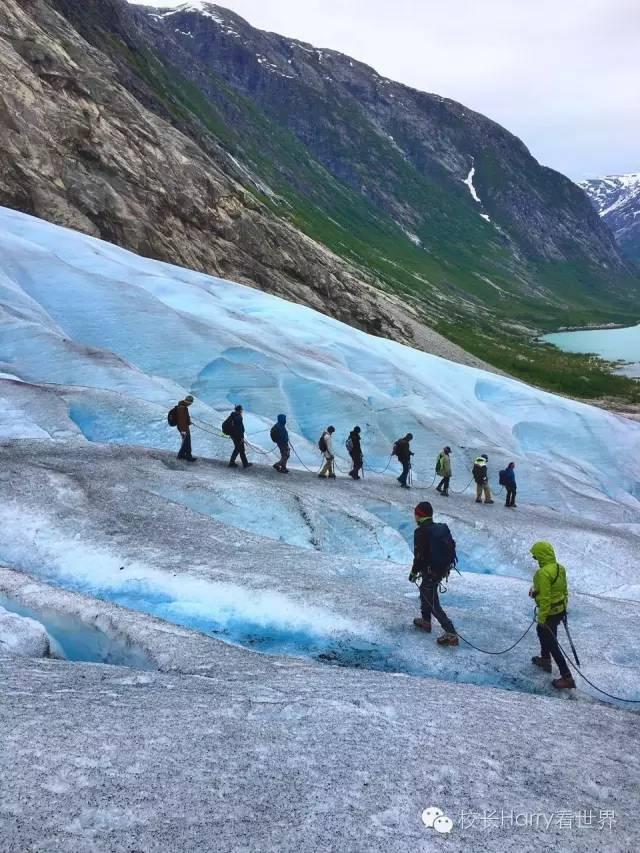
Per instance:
x=77, y=148
x=616, y=198
x=346, y=114
x=194, y=138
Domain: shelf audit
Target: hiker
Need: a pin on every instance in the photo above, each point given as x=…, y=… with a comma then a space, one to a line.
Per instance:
x=326, y=448
x=508, y=480
x=481, y=477
x=280, y=436
x=354, y=449
x=443, y=469
x=183, y=424
x=434, y=554
x=234, y=427
x=551, y=593
x=402, y=449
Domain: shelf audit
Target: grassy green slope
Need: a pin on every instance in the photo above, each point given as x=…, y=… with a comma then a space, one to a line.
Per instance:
x=470, y=294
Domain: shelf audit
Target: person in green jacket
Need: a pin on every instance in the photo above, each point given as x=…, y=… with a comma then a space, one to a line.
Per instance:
x=443, y=469
x=551, y=593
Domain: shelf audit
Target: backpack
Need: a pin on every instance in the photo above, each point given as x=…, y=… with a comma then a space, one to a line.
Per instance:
x=502, y=478
x=394, y=450
x=349, y=444
x=172, y=416
x=226, y=425
x=322, y=444
x=439, y=466
x=273, y=434
x=443, y=551
x=479, y=473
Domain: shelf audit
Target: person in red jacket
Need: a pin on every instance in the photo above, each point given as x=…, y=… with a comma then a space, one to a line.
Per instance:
x=183, y=424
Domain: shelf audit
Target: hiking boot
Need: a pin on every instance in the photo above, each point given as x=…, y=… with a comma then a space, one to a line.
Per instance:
x=445, y=494
x=278, y=467
x=564, y=683
x=543, y=663
x=248, y=465
x=232, y=465
x=438, y=489
x=478, y=500
x=322, y=476
x=489, y=502
x=191, y=459
x=332, y=476
x=447, y=639
x=422, y=624
x=403, y=486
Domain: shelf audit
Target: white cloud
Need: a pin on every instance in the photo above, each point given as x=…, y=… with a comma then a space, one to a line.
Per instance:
x=564, y=76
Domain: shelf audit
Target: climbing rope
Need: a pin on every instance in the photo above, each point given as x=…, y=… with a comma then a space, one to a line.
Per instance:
x=576, y=667
x=430, y=486
x=209, y=429
x=503, y=651
x=260, y=449
x=302, y=463
x=489, y=651
x=460, y=491
x=374, y=470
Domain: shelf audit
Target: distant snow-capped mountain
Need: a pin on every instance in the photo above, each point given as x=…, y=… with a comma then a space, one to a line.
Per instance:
x=617, y=200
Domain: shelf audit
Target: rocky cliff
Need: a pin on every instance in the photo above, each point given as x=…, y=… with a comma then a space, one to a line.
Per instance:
x=79, y=147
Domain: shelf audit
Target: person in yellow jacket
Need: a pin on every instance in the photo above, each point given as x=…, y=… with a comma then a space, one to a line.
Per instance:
x=551, y=593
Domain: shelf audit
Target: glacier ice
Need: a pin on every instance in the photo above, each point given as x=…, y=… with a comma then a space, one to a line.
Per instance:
x=96, y=344
x=101, y=525
x=93, y=315
x=22, y=635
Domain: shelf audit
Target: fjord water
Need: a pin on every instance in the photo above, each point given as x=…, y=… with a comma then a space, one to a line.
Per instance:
x=612, y=344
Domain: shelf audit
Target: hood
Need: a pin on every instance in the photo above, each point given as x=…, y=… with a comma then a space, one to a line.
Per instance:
x=480, y=461
x=543, y=552
x=282, y=419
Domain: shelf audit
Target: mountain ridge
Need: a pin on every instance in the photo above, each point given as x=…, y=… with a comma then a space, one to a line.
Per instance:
x=616, y=199
x=141, y=141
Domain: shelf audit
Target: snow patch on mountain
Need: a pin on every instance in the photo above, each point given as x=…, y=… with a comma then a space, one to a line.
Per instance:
x=207, y=10
x=616, y=198
x=469, y=182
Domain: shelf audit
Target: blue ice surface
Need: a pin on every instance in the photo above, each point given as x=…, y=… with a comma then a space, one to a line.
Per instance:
x=104, y=318
x=102, y=422
x=79, y=641
x=84, y=643
x=343, y=649
x=402, y=521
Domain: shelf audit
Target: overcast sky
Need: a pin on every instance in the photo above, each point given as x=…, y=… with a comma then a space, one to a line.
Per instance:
x=564, y=75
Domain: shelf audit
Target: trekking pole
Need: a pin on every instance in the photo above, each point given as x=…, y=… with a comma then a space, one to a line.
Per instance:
x=573, y=648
